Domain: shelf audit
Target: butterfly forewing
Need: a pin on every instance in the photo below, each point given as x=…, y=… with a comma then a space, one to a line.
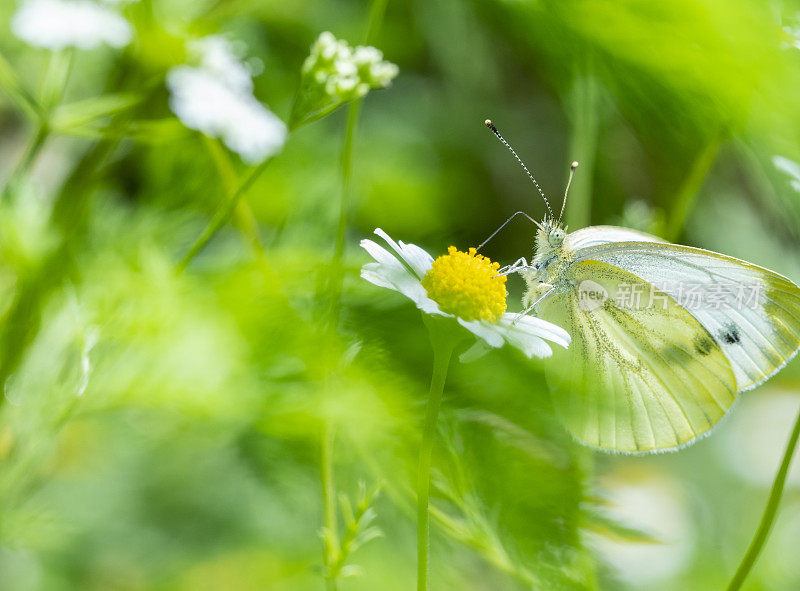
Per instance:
x=596, y=235
x=637, y=377
x=752, y=313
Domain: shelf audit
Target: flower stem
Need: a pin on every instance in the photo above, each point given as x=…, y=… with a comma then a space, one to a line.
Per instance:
x=244, y=218
x=443, y=344
x=222, y=216
x=329, y=505
x=28, y=158
x=9, y=82
x=376, y=12
x=688, y=193
x=584, y=103
x=334, y=292
x=769, y=512
x=347, y=176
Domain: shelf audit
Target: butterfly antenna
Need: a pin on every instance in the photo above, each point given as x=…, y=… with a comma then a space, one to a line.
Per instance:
x=491, y=126
x=572, y=168
x=504, y=224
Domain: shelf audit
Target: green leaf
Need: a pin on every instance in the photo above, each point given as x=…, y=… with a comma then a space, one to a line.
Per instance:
x=86, y=111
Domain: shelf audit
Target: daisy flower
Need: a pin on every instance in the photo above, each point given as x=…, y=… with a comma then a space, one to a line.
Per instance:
x=464, y=286
x=58, y=24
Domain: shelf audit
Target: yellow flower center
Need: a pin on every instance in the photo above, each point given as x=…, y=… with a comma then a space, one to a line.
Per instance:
x=465, y=284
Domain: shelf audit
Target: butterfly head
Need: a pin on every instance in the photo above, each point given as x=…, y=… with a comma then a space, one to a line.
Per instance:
x=549, y=239
x=554, y=233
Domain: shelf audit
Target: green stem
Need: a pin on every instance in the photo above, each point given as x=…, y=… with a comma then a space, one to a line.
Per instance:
x=376, y=12
x=377, y=9
x=690, y=189
x=222, y=216
x=347, y=176
x=443, y=345
x=244, y=218
x=9, y=81
x=769, y=512
x=585, y=120
x=329, y=505
x=53, y=86
x=29, y=157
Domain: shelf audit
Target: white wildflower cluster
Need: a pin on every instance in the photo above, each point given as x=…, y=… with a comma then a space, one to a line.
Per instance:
x=215, y=96
x=58, y=24
x=335, y=73
x=346, y=72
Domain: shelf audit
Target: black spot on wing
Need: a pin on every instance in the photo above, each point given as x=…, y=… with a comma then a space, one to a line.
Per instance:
x=703, y=344
x=730, y=334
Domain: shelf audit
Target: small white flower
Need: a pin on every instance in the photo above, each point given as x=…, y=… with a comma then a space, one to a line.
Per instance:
x=326, y=46
x=218, y=56
x=216, y=98
x=382, y=73
x=362, y=89
x=481, y=310
x=367, y=55
x=346, y=84
x=345, y=68
x=57, y=24
x=335, y=73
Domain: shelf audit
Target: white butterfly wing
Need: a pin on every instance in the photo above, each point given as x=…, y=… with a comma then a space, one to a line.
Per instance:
x=633, y=379
x=596, y=235
x=752, y=313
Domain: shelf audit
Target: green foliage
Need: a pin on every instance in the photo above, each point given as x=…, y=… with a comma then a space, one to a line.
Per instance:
x=162, y=428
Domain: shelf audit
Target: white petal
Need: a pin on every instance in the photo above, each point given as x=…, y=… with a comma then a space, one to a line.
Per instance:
x=390, y=272
x=536, y=327
x=372, y=273
x=380, y=254
x=530, y=345
x=416, y=258
x=395, y=276
x=429, y=306
x=484, y=330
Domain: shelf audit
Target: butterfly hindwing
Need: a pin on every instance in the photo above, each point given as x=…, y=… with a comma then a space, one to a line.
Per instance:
x=636, y=378
x=752, y=313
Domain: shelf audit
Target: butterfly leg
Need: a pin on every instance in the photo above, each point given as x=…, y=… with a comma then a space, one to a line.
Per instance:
x=547, y=288
x=517, y=266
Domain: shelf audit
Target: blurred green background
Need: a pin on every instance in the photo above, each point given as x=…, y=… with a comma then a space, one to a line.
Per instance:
x=161, y=429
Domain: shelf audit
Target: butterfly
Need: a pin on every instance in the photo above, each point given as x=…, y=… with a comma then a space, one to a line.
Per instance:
x=664, y=337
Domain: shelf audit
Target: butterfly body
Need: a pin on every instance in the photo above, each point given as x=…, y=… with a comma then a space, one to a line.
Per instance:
x=664, y=337
x=550, y=260
x=659, y=372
